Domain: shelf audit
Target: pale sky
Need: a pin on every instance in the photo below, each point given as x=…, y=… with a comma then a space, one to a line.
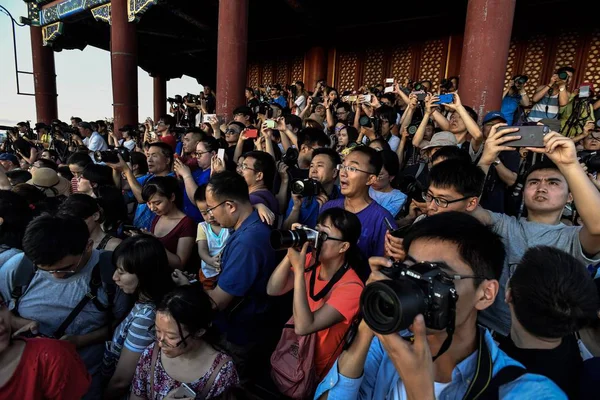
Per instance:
x=83, y=78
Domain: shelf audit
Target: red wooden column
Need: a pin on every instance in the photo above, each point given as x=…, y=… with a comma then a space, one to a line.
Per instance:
x=44, y=77
x=123, y=56
x=160, y=97
x=316, y=67
x=232, y=50
x=485, y=53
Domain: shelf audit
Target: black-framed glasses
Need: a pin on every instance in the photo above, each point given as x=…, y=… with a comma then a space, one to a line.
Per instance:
x=210, y=210
x=327, y=237
x=201, y=153
x=152, y=334
x=443, y=203
x=231, y=132
x=243, y=167
x=349, y=168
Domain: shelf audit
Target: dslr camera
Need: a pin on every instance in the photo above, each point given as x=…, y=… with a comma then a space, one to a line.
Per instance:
x=111, y=156
x=390, y=306
x=281, y=239
x=306, y=187
x=290, y=158
x=591, y=159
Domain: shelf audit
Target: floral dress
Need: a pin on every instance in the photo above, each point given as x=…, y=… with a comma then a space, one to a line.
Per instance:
x=163, y=383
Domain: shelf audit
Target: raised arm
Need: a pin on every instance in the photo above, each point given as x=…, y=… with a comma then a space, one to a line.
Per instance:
x=418, y=137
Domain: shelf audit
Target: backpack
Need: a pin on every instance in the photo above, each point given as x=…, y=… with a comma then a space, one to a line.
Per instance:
x=101, y=277
x=292, y=362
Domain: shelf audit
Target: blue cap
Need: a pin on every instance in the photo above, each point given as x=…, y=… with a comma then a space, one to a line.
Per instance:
x=493, y=115
x=9, y=157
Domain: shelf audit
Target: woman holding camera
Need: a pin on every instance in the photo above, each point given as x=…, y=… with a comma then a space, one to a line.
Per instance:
x=327, y=294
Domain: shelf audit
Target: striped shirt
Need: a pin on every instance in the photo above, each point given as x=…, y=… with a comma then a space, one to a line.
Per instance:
x=133, y=334
x=547, y=107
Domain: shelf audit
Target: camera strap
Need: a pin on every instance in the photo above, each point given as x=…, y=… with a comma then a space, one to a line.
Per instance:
x=336, y=277
x=451, y=326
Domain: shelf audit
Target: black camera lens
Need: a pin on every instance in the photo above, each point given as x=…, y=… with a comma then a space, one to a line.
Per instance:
x=365, y=121
x=305, y=187
x=390, y=306
x=285, y=239
x=298, y=186
x=563, y=75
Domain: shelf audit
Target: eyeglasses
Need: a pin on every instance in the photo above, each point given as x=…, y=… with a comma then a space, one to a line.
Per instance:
x=341, y=112
x=63, y=270
x=200, y=153
x=210, y=210
x=152, y=334
x=443, y=203
x=231, y=132
x=244, y=167
x=348, y=168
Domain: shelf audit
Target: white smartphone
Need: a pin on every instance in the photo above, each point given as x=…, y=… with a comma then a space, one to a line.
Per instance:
x=184, y=391
x=207, y=117
x=221, y=155
x=389, y=80
x=366, y=98
x=388, y=89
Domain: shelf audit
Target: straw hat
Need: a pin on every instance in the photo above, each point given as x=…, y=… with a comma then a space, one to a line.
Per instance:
x=48, y=181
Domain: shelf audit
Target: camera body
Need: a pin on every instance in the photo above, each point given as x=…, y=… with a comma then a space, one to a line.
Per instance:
x=282, y=239
x=306, y=187
x=390, y=306
x=591, y=159
x=111, y=156
x=290, y=158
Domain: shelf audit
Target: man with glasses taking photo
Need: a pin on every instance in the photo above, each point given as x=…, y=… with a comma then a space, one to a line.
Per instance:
x=62, y=288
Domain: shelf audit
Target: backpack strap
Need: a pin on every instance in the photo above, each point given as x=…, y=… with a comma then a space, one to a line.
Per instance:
x=213, y=377
x=420, y=170
x=23, y=276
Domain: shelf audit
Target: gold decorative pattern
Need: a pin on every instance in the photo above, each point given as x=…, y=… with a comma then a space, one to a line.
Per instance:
x=254, y=69
x=537, y=47
x=432, y=58
x=282, y=75
x=267, y=75
x=348, y=71
x=591, y=72
x=401, y=60
x=373, y=67
x=567, y=47
x=297, y=69
x=511, y=64
x=51, y=32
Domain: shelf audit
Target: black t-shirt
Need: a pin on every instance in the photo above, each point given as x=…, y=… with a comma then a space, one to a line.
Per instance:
x=494, y=190
x=211, y=104
x=563, y=365
x=423, y=177
x=23, y=146
x=253, y=103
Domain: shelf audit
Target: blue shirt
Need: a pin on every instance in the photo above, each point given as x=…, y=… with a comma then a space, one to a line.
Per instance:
x=509, y=106
x=380, y=377
x=143, y=216
x=189, y=208
x=247, y=263
x=391, y=201
x=309, y=209
x=281, y=101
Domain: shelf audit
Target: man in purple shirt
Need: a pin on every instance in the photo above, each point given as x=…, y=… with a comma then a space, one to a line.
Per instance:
x=258, y=169
x=358, y=172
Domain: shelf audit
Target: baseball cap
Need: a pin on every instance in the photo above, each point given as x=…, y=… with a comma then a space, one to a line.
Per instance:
x=441, y=139
x=492, y=115
x=9, y=157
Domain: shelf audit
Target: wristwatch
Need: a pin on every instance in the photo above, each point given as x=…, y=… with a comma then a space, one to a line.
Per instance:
x=497, y=161
x=561, y=89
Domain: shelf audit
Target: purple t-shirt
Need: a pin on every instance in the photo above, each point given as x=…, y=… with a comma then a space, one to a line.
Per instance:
x=267, y=198
x=372, y=236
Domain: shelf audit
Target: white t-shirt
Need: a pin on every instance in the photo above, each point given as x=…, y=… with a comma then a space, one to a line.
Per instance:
x=216, y=244
x=301, y=103
x=399, y=392
x=129, y=144
x=95, y=142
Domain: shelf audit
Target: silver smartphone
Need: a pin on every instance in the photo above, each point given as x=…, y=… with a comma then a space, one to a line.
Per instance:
x=184, y=391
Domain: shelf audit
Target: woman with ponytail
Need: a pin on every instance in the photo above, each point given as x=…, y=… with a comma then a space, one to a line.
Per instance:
x=326, y=287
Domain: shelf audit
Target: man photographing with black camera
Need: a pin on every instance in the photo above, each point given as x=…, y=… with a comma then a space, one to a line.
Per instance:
x=513, y=97
x=466, y=258
x=304, y=208
x=549, y=98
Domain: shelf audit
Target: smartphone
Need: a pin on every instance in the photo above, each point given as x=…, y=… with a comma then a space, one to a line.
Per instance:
x=317, y=99
x=584, y=91
x=270, y=124
x=184, y=391
x=366, y=98
x=445, y=98
x=397, y=232
x=350, y=98
x=531, y=136
x=421, y=96
x=251, y=133
x=389, y=80
x=388, y=89
x=207, y=117
x=221, y=155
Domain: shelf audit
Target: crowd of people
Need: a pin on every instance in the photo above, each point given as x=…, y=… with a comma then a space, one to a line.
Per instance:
x=382, y=243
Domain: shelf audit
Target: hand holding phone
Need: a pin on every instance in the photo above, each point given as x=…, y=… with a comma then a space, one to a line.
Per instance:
x=221, y=155
x=251, y=133
x=531, y=136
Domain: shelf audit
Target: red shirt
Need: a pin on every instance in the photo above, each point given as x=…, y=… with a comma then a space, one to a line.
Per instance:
x=184, y=228
x=48, y=369
x=170, y=140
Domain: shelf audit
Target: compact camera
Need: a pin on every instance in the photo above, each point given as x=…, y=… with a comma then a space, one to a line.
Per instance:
x=306, y=187
x=111, y=156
